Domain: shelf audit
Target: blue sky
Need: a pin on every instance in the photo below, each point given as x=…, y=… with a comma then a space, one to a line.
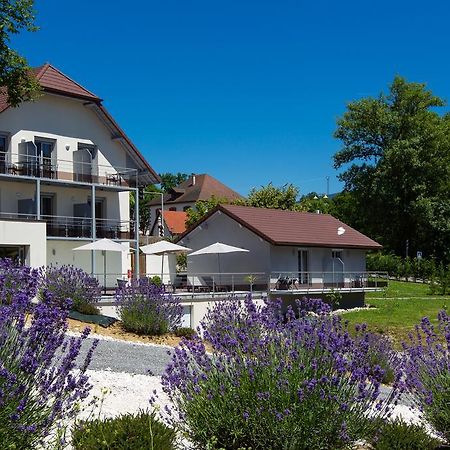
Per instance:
x=247, y=91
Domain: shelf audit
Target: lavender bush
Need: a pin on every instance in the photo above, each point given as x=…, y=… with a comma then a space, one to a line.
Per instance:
x=15, y=278
x=145, y=308
x=289, y=381
x=68, y=282
x=40, y=383
x=427, y=371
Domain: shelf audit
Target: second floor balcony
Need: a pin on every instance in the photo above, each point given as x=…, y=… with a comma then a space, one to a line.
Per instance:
x=66, y=227
x=79, y=170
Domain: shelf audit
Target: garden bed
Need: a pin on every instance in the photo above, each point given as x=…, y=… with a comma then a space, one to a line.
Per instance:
x=116, y=331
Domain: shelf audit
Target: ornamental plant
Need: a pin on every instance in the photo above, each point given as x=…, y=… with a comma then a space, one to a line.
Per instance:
x=427, y=371
x=144, y=308
x=69, y=282
x=274, y=379
x=40, y=379
x=15, y=278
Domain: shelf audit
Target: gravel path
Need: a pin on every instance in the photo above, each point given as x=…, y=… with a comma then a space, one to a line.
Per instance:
x=121, y=356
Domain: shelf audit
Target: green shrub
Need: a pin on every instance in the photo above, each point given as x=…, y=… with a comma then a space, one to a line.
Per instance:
x=399, y=435
x=142, y=431
x=156, y=280
x=186, y=332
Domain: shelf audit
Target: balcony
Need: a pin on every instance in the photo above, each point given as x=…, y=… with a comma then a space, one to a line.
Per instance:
x=79, y=227
x=35, y=166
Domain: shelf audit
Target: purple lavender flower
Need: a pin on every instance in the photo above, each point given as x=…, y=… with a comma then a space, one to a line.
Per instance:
x=426, y=371
x=146, y=308
x=274, y=375
x=40, y=380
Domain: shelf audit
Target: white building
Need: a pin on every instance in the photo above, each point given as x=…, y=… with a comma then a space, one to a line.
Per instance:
x=290, y=253
x=66, y=173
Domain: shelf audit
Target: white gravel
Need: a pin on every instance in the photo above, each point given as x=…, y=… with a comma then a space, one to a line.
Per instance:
x=119, y=393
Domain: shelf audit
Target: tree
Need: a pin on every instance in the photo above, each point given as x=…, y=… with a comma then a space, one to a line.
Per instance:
x=285, y=197
x=268, y=196
x=313, y=202
x=144, y=208
x=201, y=208
x=396, y=161
x=16, y=77
x=170, y=180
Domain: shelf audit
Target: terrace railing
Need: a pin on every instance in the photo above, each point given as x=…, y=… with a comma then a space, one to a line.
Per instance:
x=214, y=284
x=36, y=166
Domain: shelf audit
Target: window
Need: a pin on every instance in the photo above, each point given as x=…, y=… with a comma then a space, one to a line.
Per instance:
x=172, y=208
x=3, y=151
x=336, y=254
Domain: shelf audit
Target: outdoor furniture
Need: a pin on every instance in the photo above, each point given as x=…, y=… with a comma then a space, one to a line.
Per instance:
x=121, y=283
x=113, y=179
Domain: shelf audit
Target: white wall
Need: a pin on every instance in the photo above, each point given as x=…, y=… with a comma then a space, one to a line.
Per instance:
x=69, y=122
x=30, y=234
x=61, y=253
x=221, y=228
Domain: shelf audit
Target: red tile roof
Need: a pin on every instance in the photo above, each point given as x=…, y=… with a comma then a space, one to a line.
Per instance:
x=175, y=221
x=54, y=81
x=280, y=227
x=198, y=187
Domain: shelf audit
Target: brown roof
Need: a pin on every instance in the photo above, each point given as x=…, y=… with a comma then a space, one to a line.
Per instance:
x=204, y=187
x=54, y=81
x=280, y=227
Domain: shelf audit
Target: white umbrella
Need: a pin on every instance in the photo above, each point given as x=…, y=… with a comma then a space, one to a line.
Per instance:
x=162, y=248
x=105, y=245
x=218, y=248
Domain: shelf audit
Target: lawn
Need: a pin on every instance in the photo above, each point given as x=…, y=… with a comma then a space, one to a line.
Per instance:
x=399, y=309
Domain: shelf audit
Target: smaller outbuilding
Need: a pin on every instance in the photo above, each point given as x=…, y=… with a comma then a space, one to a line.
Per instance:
x=290, y=252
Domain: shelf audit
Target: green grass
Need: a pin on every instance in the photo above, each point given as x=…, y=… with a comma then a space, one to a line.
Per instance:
x=400, y=289
x=396, y=312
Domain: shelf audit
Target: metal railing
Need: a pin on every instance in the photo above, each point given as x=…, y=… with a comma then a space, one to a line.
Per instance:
x=79, y=227
x=36, y=166
x=67, y=226
x=212, y=284
x=322, y=280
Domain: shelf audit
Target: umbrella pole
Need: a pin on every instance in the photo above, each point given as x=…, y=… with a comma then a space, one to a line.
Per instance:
x=162, y=268
x=104, y=271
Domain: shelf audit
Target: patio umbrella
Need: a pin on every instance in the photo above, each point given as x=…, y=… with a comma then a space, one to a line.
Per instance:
x=162, y=248
x=218, y=248
x=105, y=245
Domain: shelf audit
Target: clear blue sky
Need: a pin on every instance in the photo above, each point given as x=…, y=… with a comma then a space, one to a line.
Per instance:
x=247, y=91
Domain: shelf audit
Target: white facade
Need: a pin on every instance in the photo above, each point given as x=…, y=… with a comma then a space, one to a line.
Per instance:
x=66, y=190
x=264, y=258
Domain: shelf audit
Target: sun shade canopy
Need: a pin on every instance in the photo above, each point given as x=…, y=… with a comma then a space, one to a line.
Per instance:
x=162, y=247
x=104, y=244
x=218, y=248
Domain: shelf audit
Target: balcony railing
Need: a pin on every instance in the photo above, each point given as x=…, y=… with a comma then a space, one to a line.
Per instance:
x=79, y=227
x=65, y=170
x=198, y=285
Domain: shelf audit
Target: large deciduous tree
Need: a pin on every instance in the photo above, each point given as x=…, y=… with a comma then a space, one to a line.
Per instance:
x=16, y=78
x=396, y=161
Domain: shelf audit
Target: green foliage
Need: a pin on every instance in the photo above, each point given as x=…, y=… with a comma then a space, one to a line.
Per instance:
x=396, y=166
x=182, y=262
x=144, y=207
x=125, y=432
x=15, y=74
x=201, y=208
x=186, y=332
x=269, y=196
x=399, y=435
x=170, y=180
x=313, y=202
x=334, y=298
x=156, y=280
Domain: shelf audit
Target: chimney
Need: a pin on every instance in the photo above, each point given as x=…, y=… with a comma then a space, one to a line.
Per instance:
x=193, y=179
x=317, y=211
